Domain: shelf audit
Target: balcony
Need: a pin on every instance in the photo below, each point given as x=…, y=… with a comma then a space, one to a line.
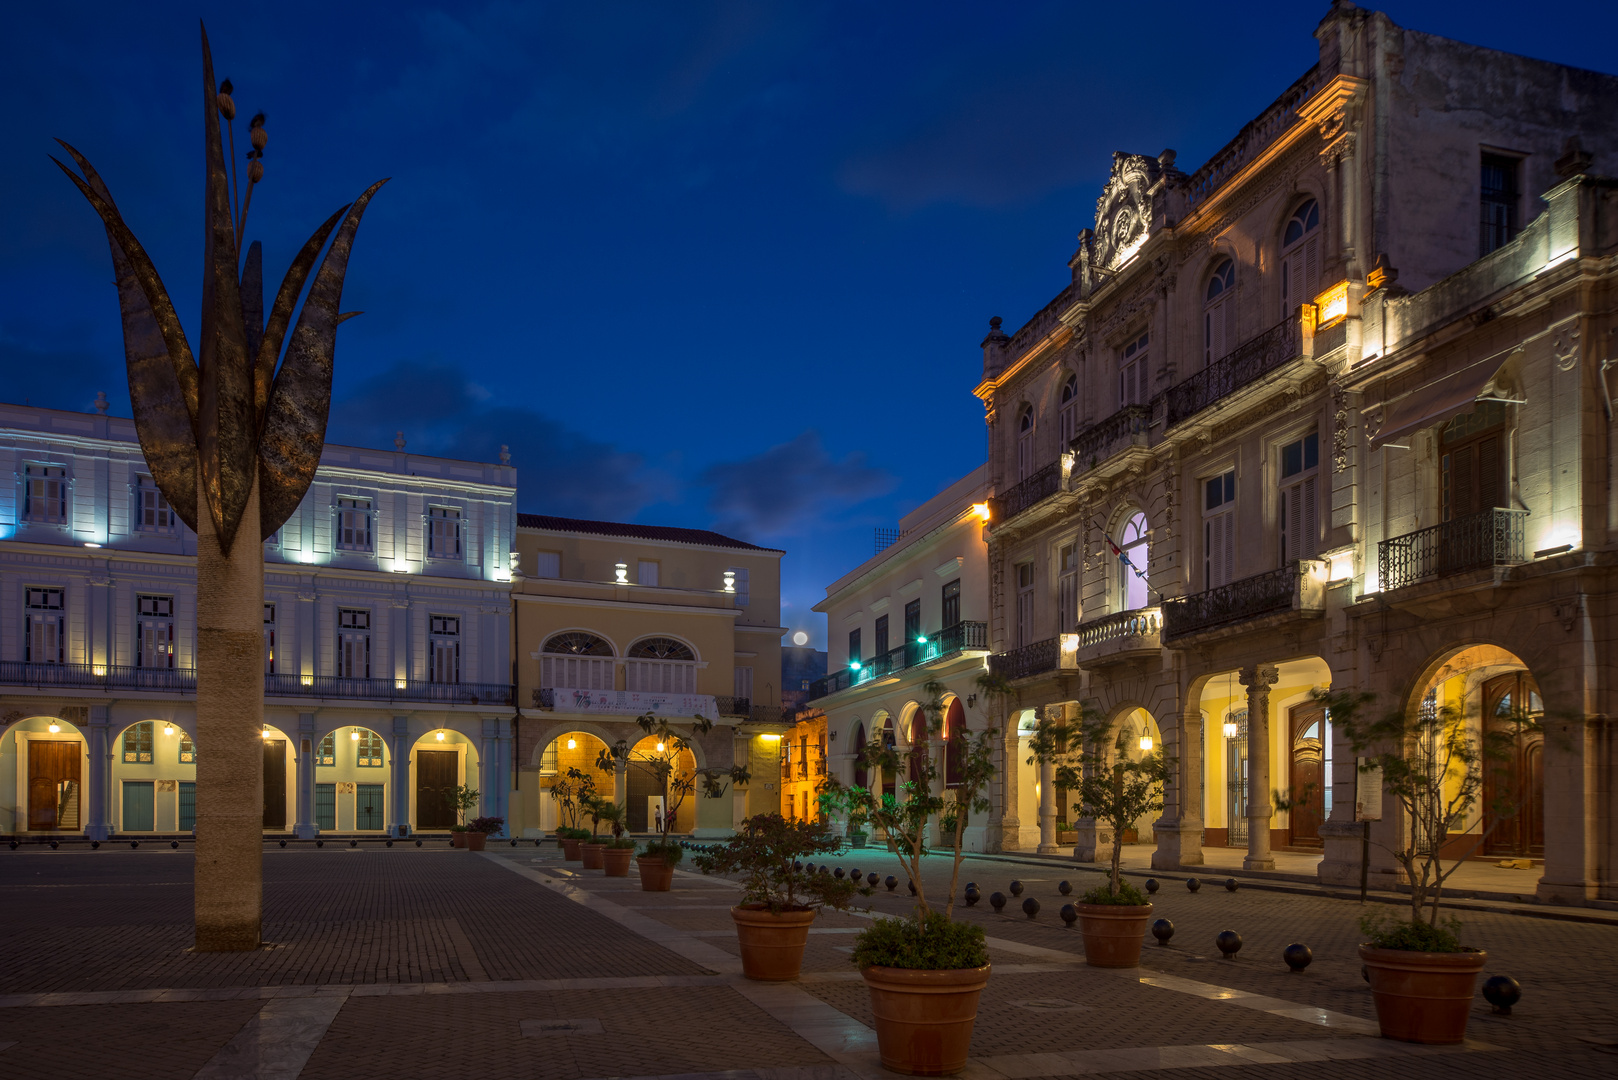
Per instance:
x=1480, y=541
x=1297, y=587
x=1122, y=635
x=107, y=678
x=1100, y=441
x=1028, y=661
x=1040, y=485
x=1246, y=364
x=947, y=642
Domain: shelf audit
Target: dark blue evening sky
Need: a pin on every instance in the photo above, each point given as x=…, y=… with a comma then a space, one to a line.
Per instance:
x=709, y=264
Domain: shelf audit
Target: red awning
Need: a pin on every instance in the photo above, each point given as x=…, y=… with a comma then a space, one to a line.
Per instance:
x=1445, y=398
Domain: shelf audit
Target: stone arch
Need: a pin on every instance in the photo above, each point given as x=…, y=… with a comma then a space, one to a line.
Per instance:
x=61, y=804
x=561, y=639
x=641, y=786
x=648, y=645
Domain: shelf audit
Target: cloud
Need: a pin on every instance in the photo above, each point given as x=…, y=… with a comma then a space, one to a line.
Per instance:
x=779, y=490
x=442, y=412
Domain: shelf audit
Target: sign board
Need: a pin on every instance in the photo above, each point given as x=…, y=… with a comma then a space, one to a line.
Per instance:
x=634, y=703
x=1367, y=791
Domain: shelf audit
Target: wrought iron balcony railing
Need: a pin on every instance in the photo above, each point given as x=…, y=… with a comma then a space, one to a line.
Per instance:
x=1261, y=594
x=1142, y=622
x=1492, y=538
x=1040, y=485
x=184, y=681
x=1101, y=440
x=950, y=640
x=1245, y=364
x=1035, y=659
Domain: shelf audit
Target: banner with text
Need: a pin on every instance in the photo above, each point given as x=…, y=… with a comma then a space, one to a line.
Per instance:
x=634, y=703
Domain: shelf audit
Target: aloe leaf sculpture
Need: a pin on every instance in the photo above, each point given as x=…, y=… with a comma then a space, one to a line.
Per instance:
x=232, y=436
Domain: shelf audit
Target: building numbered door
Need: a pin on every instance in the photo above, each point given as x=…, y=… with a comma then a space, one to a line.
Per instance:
x=53, y=784
x=435, y=780
x=275, y=783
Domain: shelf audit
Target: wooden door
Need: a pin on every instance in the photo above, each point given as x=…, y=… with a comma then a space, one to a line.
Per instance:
x=1514, y=788
x=435, y=781
x=275, y=783
x=1307, y=782
x=53, y=784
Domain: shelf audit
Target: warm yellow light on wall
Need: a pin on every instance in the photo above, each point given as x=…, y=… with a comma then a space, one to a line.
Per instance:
x=265, y=734
x=572, y=744
x=659, y=748
x=981, y=510
x=440, y=736
x=1342, y=566
x=168, y=729
x=770, y=738
x=1332, y=304
x=354, y=735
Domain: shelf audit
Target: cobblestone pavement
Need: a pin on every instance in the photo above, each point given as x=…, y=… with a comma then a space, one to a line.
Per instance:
x=420, y=962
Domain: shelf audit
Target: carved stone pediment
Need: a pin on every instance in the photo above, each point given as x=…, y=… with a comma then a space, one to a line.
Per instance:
x=1124, y=211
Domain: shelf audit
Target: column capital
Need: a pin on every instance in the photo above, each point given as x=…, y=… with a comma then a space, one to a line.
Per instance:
x=1259, y=676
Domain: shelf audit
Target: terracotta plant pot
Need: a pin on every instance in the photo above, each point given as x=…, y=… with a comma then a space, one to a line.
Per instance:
x=592, y=853
x=615, y=861
x=856, y=839
x=1422, y=997
x=772, y=945
x=458, y=839
x=570, y=850
x=924, y=1018
x=655, y=874
x=474, y=840
x=1113, y=933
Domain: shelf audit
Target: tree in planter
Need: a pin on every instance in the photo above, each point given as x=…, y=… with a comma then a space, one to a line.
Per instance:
x=1093, y=763
x=663, y=767
x=463, y=799
x=1435, y=764
x=572, y=794
x=767, y=853
x=848, y=802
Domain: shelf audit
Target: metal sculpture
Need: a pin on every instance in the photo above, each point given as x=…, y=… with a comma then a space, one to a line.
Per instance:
x=232, y=436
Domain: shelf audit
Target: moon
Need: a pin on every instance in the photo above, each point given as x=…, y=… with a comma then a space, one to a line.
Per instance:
x=800, y=638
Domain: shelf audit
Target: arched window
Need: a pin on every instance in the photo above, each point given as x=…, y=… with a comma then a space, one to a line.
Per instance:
x=1218, y=312
x=661, y=665
x=954, y=743
x=1025, y=443
x=1300, y=258
x=576, y=660
x=862, y=775
x=1068, y=416
x=1133, y=547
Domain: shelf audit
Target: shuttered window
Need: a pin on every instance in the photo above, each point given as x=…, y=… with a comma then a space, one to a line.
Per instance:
x=43, y=626
x=1132, y=373
x=152, y=512
x=444, y=532
x=1067, y=589
x=1068, y=414
x=1025, y=444
x=1219, y=530
x=353, y=644
x=154, y=632
x=354, y=524
x=44, y=493
x=951, y=604
x=1299, y=510
x=445, y=636
x=1218, y=320
x=1025, y=604
x=1473, y=462
x=1300, y=258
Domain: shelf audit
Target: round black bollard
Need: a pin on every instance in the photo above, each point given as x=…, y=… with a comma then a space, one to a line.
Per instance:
x=418, y=843
x=972, y=885
x=353, y=843
x=175, y=844
x=972, y=895
x=1229, y=942
x=536, y=843
x=1502, y=991
x=322, y=843
x=892, y=883
x=1030, y=907
x=14, y=845
x=809, y=868
x=997, y=901
x=855, y=875
x=872, y=878
x=795, y=865
x=283, y=843
x=132, y=844
x=54, y=845
x=450, y=841
x=1152, y=886
x=1193, y=884
x=94, y=844
x=1065, y=888
x=1230, y=884
x=1016, y=888
x=912, y=886
x=1070, y=915
x=1297, y=956
x=838, y=873
x=513, y=843
x=1162, y=930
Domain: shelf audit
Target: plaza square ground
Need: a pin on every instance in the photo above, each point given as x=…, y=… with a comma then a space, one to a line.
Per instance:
x=405, y=962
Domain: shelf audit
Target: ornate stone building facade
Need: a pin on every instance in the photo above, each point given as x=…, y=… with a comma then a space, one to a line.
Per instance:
x=1331, y=410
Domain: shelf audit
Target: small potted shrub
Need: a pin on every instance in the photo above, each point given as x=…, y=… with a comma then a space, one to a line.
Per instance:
x=571, y=839
x=479, y=829
x=779, y=900
x=591, y=850
x=620, y=849
x=1434, y=764
x=463, y=799
x=848, y=803
x=925, y=972
x=675, y=783
x=570, y=793
x=1114, y=789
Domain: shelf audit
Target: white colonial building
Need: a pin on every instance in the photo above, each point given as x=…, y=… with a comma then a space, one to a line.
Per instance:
x=386, y=632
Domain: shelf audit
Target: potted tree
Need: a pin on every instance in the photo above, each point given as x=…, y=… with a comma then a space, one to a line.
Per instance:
x=848, y=803
x=925, y=972
x=615, y=853
x=479, y=829
x=779, y=898
x=463, y=799
x=1434, y=763
x=592, y=847
x=571, y=793
x=675, y=783
x=1115, y=788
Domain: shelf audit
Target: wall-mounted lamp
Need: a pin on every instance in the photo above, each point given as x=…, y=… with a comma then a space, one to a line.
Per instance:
x=168, y=729
x=1557, y=550
x=971, y=700
x=982, y=511
x=659, y=748
x=354, y=735
x=767, y=737
x=401, y=566
x=572, y=743
x=55, y=727
x=265, y=734
x=440, y=736
x=622, y=570
x=88, y=544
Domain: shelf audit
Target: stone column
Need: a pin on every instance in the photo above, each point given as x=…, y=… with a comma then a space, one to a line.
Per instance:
x=98, y=785
x=1007, y=823
x=489, y=769
x=1258, y=679
x=1047, y=808
x=229, y=892
x=1574, y=794
x=1179, y=830
x=307, y=749
x=400, y=802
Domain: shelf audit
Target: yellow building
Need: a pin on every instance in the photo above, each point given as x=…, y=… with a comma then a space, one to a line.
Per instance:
x=803, y=766
x=612, y=621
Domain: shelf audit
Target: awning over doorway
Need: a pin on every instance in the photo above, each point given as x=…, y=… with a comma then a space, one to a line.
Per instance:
x=1447, y=397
